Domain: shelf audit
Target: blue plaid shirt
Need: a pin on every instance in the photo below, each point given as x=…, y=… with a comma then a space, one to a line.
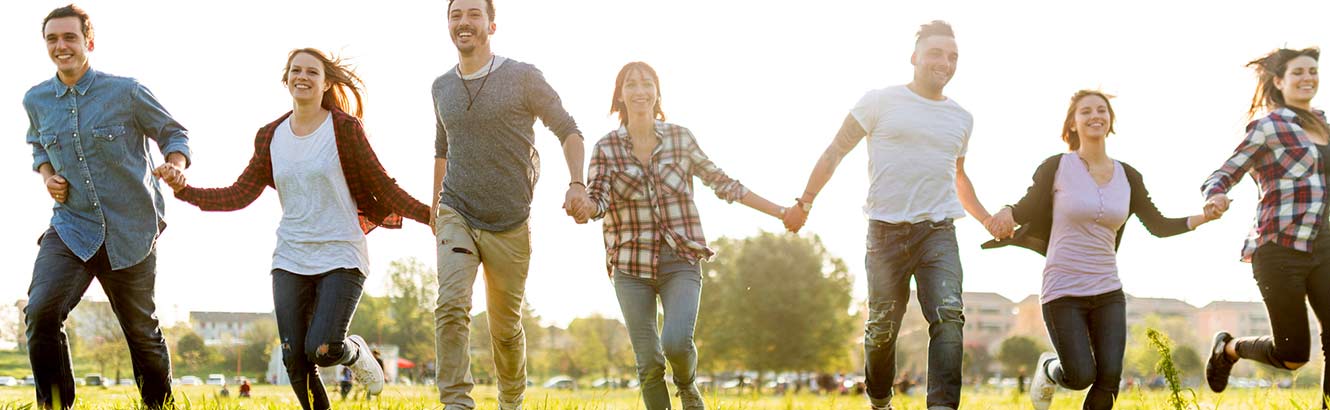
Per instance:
x=95, y=135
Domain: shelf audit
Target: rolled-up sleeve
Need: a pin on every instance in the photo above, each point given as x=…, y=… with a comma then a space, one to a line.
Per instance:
x=726, y=188
x=156, y=123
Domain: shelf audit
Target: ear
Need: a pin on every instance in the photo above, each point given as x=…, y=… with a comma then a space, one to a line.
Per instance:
x=91, y=45
x=493, y=27
x=914, y=58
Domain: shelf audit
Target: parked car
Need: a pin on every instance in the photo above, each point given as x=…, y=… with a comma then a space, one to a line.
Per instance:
x=94, y=379
x=561, y=382
x=30, y=381
x=216, y=380
x=191, y=381
x=126, y=382
x=8, y=381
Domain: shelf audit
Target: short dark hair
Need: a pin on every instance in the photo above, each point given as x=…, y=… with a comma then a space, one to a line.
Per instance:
x=71, y=10
x=933, y=28
x=489, y=8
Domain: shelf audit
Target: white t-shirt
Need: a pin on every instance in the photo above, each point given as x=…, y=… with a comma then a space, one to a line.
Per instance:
x=320, y=230
x=913, y=144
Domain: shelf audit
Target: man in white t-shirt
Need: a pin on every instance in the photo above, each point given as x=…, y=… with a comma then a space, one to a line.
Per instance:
x=916, y=155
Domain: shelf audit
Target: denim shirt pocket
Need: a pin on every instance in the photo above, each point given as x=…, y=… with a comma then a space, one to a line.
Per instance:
x=53, y=152
x=109, y=143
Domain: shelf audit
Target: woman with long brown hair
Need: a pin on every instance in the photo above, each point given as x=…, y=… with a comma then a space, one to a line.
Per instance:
x=333, y=191
x=1286, y=150
x=642, y=185
x=1074, y=215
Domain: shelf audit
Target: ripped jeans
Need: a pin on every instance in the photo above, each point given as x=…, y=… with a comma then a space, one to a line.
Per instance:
x=313, y=311
x=928, y=252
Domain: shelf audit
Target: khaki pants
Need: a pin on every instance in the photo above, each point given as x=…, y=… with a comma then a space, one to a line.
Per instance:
x=506, y=257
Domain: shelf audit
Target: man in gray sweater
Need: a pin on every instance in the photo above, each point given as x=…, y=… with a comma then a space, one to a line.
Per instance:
x=485, y=170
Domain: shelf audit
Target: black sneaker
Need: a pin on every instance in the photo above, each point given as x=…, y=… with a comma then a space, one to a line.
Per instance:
x=1219, y=365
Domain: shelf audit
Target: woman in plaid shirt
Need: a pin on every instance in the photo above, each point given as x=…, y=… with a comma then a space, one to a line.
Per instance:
x=333, y=191
x=642, y=184
x=1289, y=248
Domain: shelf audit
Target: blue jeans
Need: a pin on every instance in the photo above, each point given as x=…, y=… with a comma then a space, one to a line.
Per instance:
x=926, y=251
x=313, y=311
x=59, y=279
x=1090, y=334
x=678, y=284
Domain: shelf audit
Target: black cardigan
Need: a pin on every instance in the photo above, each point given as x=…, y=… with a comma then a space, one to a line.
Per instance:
x=1034, y=212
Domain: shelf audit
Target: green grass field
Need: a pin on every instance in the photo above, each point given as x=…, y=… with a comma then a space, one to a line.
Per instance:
x=400, y=397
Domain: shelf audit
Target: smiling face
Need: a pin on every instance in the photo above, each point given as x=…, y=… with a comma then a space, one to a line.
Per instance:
x=469, y=25
x=639, y=93
x=305, y=79
x=1094, y=118
x=1299, y=81
x=934, y=61
x=67, y=46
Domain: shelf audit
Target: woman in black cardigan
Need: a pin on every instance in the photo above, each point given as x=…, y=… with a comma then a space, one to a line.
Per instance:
x=1074, y=215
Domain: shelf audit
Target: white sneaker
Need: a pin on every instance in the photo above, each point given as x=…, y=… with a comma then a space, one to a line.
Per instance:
x=366, y=370
x=1042, y=387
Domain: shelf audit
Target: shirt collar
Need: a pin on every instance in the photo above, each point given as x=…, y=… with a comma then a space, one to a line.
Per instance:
x=80, y=87
x=1287, y=114
x=622, y=133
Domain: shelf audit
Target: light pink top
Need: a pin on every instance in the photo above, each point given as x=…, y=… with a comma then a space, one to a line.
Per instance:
x=1082, y=256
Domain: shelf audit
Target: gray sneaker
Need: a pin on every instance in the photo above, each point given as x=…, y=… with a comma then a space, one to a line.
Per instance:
x=690, y=398
x=366, y=370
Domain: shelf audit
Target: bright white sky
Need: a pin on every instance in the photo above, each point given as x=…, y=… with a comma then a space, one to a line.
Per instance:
x=764, y=85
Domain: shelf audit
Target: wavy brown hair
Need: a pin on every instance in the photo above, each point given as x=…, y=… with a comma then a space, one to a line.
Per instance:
x=619, y=107
x=345, y=91
x=1267, y=97
x=1069, y=125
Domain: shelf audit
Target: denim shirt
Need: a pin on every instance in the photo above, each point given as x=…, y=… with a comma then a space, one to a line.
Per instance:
x=95, y=134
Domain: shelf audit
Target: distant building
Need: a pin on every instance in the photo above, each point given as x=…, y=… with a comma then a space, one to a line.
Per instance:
x=989, y=318
x=220, y=327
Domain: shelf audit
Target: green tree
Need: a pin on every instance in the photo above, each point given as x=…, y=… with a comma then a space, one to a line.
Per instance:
x=1140, y=357
x=600, y=346
x=193, y=354
x=371, y=320
x=1188, y=361
x=104, y=342
x=250, y=354
x=1019, y=352
x=411, y=295
x=976, y=361
x=775, y=302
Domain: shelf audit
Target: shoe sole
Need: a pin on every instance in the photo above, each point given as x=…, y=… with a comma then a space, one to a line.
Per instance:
x=1217, y=347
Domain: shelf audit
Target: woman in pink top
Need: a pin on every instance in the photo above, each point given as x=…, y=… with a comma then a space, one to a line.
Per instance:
x=1074, y=214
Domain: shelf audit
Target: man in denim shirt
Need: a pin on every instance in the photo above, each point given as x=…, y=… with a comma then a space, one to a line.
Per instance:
x=88, y=132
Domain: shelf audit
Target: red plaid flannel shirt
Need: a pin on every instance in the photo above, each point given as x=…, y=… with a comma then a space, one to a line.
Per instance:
x=649, y=206
x=1288, y=171
x=380, y=201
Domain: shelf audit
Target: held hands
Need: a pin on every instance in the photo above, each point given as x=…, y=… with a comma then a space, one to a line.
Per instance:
x=578, y=204
x=794, y=217
x=172, y=175
x=1001, y=225
x=1216, y=206
x=58, y=187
